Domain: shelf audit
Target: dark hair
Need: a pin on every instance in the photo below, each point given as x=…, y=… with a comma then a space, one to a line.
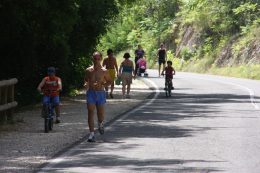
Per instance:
x=109, y=51
x=169, y=62
x=126, y=55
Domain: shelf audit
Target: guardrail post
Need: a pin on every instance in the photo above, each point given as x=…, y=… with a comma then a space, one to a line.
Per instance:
x=7, y=102
x=10, y=99
x=3, y=118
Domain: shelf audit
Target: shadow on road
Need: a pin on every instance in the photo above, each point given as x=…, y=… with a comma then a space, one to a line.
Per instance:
x=158, y=121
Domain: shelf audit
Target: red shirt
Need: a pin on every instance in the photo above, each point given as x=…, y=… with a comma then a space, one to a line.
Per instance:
x=51, y=86
x=168, y=72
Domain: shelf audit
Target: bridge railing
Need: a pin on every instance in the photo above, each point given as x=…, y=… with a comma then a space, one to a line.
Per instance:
x=7, y=102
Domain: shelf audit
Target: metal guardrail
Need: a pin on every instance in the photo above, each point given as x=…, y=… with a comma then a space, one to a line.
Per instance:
x=7, y=102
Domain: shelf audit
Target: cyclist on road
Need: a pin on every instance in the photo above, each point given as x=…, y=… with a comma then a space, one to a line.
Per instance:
x=96, y=79
x=51, y=86
x=169, y=72
x=162, y=55
x=111, y=65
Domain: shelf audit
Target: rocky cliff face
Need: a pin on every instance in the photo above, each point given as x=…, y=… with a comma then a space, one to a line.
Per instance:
x=247, y=54
x=190, y=38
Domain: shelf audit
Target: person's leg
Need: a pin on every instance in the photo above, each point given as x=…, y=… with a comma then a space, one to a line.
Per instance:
x=56, y=103
x=128, y=91
x=159, y=70
x=123, y=89
x=128, y=88
x=100, y=113
x=163, y=65
x=101, y=100
x=112, y=89
x=91, y=108
x=45, y=101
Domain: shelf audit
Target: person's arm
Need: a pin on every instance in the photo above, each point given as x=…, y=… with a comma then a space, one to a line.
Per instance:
x=108, y=81
x=86, y=79
x=120, y=69
x=39, y=88
x=59, y=84
x=173, y=71
x=116, y=67
x=104, y=63
x=133, y=69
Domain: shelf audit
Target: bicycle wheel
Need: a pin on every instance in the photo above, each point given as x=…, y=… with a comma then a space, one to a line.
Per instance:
x=166, y=90
x=169, y=89
x=46, y=120
x=50, y=124
x=51, y=121
x=46, y=125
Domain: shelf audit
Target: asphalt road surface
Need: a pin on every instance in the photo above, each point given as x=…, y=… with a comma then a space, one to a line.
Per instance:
x=210, y=124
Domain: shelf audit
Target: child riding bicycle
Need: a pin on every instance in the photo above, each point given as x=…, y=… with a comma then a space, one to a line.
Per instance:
x=51, y=86
x=169, y=72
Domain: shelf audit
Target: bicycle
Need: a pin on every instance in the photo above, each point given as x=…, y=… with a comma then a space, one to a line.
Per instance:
x=168, y=86
x=48, y=115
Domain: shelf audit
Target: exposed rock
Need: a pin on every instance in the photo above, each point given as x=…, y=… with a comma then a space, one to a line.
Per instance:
x=190, y=38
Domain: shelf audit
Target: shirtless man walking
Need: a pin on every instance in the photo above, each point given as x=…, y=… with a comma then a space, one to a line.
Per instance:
x=96, y=79
x=111, y=65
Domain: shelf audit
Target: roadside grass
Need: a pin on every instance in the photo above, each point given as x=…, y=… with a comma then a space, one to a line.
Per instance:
x=251, y=71
x=242, y=71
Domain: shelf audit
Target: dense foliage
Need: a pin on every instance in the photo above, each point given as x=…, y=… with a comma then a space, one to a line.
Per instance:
x=144, y=22
x=64, y=33
x=197, y=31
x=37, y=34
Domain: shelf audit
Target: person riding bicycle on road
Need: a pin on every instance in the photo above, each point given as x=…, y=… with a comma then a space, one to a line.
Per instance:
x=169, y=72
x=51, y=86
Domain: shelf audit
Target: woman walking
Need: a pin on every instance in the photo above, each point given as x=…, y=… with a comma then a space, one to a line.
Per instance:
x=126, y=72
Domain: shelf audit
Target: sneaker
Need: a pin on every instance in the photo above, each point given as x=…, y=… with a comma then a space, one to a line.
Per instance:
x=128, y=96
x=91, y=139
x=101, y=128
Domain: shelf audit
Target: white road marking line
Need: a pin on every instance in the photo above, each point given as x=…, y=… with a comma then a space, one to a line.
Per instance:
x=251, y=92
x=62, y=157
x=157, y=92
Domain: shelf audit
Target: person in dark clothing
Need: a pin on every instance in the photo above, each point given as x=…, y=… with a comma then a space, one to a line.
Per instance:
x=162, y=56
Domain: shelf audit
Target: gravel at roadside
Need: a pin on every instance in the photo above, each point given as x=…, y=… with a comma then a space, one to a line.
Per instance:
x=24, y=146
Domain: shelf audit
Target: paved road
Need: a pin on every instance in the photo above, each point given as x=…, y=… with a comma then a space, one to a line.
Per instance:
x=210, y=124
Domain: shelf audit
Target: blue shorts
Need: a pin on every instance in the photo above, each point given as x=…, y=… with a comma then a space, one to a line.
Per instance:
x=96, y=97
x=55, y=100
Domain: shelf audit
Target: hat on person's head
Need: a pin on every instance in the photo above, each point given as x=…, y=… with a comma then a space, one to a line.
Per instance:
x=126, y=55
x=51, y=70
